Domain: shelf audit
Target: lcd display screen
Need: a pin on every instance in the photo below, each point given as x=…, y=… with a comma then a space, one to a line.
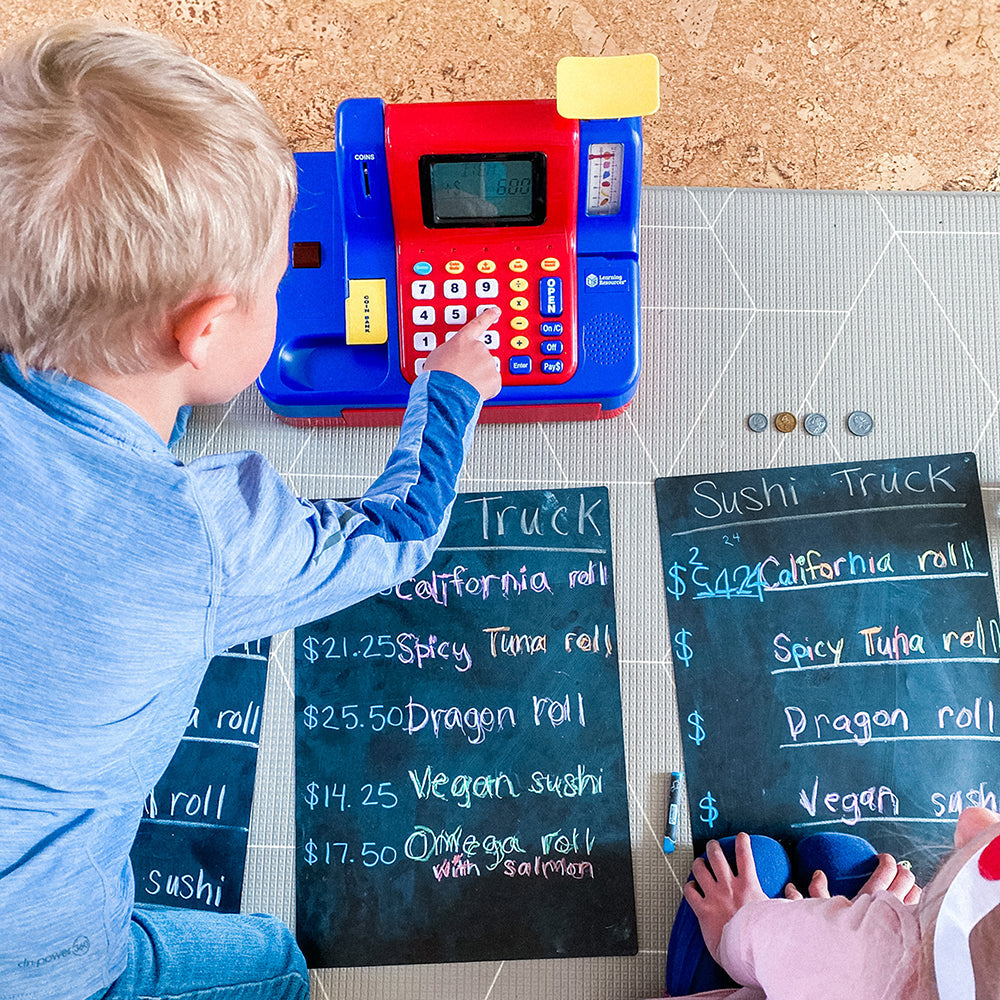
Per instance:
x=488, y=190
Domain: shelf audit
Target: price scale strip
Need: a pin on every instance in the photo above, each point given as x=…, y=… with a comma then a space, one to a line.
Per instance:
x=460, y=776
x=835, y=646
x=191, y=847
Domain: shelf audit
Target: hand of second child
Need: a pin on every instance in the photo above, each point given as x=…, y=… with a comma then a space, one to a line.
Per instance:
x=466, y=355
x=722, y=891
x=888, y=875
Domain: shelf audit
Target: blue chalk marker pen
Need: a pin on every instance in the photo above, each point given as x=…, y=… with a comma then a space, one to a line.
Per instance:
x=673, y=813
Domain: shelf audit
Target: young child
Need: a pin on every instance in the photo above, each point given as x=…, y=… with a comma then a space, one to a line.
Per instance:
x=890, y=941
x=144, y=202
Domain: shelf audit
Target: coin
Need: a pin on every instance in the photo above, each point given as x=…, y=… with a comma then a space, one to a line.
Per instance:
x=784, y=421
x=757, y=422
x=815, y=424
x=860, y=423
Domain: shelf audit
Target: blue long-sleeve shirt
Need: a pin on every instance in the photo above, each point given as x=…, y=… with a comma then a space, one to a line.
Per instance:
x=123, y=572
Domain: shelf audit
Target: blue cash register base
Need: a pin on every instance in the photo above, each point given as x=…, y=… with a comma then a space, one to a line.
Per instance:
x=427, y=213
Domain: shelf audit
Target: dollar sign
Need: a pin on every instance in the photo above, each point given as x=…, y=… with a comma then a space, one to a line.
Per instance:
x=311, y=856
x=310, y=646
x=698, y=730
x=709, y=814
x=683, y=650
x=312, y=717
x=311, y=797
x=675, y=584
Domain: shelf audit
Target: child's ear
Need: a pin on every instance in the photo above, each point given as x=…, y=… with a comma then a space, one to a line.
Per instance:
x=193, y=323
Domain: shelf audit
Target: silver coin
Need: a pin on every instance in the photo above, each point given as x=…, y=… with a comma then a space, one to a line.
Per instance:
x=860, y=423
x=757, y=422
x=814, y=423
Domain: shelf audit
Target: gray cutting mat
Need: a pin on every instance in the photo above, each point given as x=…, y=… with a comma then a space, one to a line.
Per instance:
x=753, y=301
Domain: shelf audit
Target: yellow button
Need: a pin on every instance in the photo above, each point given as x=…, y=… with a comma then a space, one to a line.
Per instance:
x=519, y=343
x=518, y=264
x=519, y=285
x=550, y=264
x=519, y=323
x=454, y=267
x=519, y=303
x=486, y=266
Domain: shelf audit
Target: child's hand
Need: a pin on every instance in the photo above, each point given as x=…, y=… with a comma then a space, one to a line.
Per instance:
x=888, y=875
x=723, y=891
x=894, y=878
x=466, y=355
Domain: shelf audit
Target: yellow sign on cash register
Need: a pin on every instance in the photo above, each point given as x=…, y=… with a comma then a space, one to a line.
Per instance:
x=607, y=86
x=366, y=313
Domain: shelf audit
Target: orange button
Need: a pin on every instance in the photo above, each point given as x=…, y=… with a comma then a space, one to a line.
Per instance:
x=519, y=303
x=519, y=285
x=519, y=323
x=519, y=343
x=550, y=264
x=486, y=266
x=454, y=267
x=518, y=264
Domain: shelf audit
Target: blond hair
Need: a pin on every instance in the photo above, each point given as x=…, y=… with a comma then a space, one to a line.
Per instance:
x=132, y=176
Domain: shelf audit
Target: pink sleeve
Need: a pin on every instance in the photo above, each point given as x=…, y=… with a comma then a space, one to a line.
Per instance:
x=861, y=949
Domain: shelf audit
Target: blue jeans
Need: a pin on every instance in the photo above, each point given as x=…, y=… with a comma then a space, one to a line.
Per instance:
x=194, y=955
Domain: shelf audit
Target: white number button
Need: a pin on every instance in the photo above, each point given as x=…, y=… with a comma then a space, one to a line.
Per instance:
x=491, y=339
x=424, y=341
x=422, y=289
x=487, y=288
x=423, y=315
x=455, y=288
x=455, y=315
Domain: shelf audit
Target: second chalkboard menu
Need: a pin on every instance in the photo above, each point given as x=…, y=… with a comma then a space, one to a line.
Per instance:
x=460, y=776
x=835, y=645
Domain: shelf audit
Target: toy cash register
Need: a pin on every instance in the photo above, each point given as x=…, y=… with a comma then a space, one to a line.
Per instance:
x=426, y=214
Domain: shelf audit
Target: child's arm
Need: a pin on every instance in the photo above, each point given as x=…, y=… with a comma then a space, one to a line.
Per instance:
x=278, y=561
x=795, y=948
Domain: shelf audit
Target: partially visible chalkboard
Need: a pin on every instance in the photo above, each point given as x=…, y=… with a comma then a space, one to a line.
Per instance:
x=835, y=645
x=460, y=775
x=191, y=847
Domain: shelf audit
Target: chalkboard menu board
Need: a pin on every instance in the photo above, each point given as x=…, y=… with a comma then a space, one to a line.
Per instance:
x=835, y=646
x=460, y=776
x=191, y=847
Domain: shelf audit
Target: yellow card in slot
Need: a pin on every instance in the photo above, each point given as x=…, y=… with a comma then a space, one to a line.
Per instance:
x=607, y=86
x=367, y=322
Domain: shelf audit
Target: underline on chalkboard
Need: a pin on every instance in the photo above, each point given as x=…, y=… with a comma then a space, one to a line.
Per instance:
x=876, y=819
x=518, y=548
x=228, y=743
x=892, y=739
x=889, y=663
x=188, y=822
x=805, y=517
x=862, y=579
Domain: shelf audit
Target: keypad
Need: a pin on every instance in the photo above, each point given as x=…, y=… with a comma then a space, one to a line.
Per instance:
x=533, y=339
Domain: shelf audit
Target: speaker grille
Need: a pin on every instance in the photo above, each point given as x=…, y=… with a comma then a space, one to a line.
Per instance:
x=607, y=339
